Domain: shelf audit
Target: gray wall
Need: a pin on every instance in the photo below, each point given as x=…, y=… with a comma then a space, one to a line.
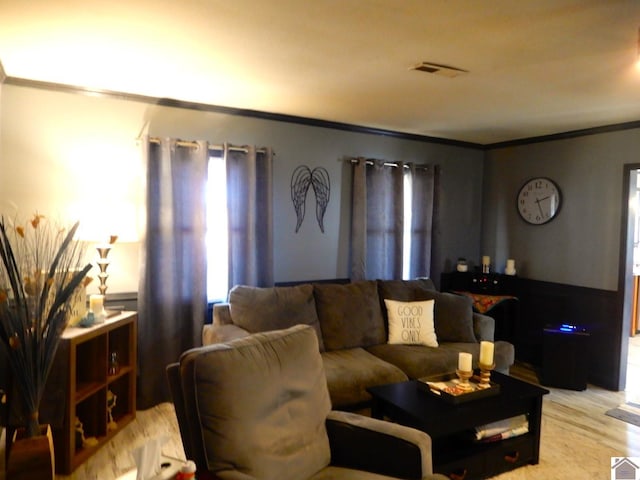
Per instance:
x=581, y=246
x=81, y=150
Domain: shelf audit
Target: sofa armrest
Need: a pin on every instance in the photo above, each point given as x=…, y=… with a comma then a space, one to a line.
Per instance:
x=221, y=314
x=484, y=327
x=377, y=446
x=222, y=333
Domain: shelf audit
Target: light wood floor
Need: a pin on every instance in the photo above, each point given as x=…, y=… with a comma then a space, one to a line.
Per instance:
x=572, y=421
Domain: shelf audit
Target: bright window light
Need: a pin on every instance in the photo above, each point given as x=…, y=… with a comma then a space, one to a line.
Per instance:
x=406, y=234
x=217, y=236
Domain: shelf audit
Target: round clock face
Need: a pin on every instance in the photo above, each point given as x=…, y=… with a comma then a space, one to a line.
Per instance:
x=539, y=201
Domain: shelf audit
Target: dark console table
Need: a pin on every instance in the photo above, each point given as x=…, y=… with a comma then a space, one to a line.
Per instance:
x=450, y=426
x=494, y=294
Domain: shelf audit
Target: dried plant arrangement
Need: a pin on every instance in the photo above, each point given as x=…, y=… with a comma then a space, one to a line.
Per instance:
x=40, y=272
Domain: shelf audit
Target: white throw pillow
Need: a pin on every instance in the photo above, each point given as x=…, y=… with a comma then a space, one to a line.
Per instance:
x=411, y=323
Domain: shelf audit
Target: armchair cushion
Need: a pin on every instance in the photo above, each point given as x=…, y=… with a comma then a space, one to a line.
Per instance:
x=245, y=395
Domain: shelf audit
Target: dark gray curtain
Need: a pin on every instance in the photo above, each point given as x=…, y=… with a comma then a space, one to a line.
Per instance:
x=250, y=205
x=377, y=224
x=172, y=295
x=172, y=301
x=423, y=207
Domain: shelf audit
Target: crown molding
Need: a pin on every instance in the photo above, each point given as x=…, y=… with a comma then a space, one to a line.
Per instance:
x=313, y=122
x=204, y=107
x=565, y=135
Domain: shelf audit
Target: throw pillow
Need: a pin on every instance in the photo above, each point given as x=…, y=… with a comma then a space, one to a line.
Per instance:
x=411, y=323
x=453, y=314
x=454, y=318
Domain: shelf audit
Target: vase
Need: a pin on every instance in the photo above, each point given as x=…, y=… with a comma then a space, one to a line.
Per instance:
x=31, y=457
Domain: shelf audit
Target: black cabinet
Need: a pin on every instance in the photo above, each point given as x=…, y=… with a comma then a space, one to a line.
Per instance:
x=493, y=294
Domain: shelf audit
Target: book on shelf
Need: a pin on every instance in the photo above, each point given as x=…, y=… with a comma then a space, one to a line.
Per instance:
x=502, y=429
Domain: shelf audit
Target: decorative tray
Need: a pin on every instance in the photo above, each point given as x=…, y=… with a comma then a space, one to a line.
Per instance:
x=446, y=386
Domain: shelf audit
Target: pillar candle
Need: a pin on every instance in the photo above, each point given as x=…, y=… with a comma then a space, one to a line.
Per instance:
x=486, y=260
x=511, y=264
x=464, y=362
x=486, y=353
x=96, y=303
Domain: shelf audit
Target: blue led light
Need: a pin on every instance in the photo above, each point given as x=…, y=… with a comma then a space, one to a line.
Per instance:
x=565, y=327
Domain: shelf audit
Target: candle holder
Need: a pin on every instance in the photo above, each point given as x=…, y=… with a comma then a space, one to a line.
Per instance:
x=103, y=262
x=464, y=377
x=485, y=375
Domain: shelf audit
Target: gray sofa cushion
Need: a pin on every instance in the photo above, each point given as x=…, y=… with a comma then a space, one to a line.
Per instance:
x=453, y=314
x=351, y=371
x=418, y=361
x=246, y=394
x=349, y=315
x=261, y=309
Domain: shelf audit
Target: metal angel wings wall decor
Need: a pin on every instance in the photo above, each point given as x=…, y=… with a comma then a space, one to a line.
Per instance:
x=303, y=178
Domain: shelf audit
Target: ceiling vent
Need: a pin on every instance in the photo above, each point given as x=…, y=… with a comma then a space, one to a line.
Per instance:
x=436, y=69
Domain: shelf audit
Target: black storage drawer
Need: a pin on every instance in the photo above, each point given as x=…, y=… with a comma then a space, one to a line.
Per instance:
x=510, y=454
x=474, y=467
x=485, y=460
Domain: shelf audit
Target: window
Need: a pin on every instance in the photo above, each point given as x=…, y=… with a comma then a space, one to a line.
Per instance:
x=406, y=234
x=217, y=236
x=392, y=218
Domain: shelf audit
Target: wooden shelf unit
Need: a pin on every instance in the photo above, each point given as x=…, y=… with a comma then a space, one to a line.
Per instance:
x=85, y=354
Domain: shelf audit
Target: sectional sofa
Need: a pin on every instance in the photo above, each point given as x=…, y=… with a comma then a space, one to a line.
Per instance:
x=364, y=339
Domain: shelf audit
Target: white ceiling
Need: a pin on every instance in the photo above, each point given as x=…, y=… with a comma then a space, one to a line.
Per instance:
x=536, y=67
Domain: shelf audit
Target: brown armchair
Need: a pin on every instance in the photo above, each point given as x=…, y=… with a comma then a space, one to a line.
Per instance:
x=259, y=408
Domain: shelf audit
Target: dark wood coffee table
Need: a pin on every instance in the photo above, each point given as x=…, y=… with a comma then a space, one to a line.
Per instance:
x=451, y=427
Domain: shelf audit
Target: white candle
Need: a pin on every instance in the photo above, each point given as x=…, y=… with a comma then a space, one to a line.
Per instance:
x=486, y=260
x=486, y=353
x=464, y=362
x=511, y=264
x=96, y=303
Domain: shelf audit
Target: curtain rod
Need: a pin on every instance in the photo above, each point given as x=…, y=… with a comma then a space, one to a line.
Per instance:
x=389, y=164
x=217, y=148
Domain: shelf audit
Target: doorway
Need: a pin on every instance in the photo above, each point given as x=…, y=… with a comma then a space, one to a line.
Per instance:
x=629, y=278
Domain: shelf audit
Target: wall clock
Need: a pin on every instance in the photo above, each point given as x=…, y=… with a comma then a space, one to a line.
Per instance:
x=539, y=200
